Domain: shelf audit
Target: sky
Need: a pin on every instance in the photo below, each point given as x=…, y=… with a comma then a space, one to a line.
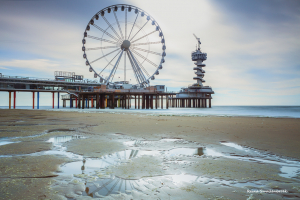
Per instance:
x=253, y=47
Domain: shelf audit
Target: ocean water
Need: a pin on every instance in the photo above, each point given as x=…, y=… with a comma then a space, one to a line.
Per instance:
x=225, y=111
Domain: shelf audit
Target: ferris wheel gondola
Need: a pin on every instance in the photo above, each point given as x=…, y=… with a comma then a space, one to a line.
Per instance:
x=124, y=42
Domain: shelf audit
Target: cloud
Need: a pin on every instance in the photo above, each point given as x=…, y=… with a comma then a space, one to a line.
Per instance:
x=38, y=64
x=252, y=47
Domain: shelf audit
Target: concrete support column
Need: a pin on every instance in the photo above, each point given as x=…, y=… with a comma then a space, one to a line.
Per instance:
x=52, y=99
x=97, y=101
x=71, y=102
x=64, y=103
x=113, y=101
x=32, y=100
x=82, y=101
x=167, y=101
x=151, y=101
x=78, y=101
x=57, y=99
x=125, y=101
x=143, y=101
x=162, y=101
x=9, y=100
x=15, y=96
x=147, y=101
x=128, y=99
x=156, y=101
x=210, y=103
x=138, y=101
x=38, y=100
x=134, y=101
x=88, y=101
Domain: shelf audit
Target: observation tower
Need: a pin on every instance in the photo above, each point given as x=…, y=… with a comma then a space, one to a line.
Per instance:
x=197, y=92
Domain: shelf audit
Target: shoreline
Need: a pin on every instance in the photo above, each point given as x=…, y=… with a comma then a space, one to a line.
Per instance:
x=185, y=112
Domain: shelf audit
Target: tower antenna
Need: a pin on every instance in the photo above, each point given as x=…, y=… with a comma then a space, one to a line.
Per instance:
x=198, y=39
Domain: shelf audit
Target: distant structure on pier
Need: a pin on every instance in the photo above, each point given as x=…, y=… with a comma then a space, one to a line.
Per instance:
x=197, y=90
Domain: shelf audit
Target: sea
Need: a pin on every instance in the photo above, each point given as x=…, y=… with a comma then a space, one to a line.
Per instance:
x=222, y=111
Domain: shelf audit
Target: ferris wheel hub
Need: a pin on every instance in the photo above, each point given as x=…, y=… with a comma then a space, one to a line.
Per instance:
x=125, y=45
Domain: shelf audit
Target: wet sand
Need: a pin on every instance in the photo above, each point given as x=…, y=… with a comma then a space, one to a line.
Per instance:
x=105, y=133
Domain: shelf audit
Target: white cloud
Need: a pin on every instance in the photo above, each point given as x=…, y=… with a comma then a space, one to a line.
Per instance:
x=38, y=64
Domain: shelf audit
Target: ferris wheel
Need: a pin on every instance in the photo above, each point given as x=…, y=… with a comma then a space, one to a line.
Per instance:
x=124, y=44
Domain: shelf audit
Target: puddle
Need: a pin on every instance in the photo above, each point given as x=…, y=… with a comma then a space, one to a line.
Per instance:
x=57, y=149
x=4, y=141
x=105, y=187
x=289, y=168
x=10, y=140
x=88, y=166
x=62, y=139
x=185, y=152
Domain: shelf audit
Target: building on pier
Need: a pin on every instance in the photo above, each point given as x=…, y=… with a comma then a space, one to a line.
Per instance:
x=196, y=94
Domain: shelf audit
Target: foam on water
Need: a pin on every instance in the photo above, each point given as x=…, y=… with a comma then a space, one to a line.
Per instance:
x=224, y=111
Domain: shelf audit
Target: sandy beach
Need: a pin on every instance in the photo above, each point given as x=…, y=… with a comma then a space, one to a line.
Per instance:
x=234, y=156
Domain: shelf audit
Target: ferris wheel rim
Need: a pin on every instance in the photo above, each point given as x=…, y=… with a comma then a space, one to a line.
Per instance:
x=149, y=18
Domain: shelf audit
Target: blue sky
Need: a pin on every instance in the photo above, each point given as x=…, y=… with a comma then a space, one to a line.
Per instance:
x=253, y=47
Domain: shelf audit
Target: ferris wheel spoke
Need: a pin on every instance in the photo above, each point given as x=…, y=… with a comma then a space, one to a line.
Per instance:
x=110, y=26
x=103, y=186
x=104, y=40
x=133, y=24
x=139, y=30
x=103, y=56
x=138, y=44
x=135, y=75
x=113, y=75
x=107, y=47
x=143, y=36
x=149, y=61
x=118, y=25
x=105, y=32
x=111, y=189
x=110, y=62
x=147, y=51
x=117, y=63
x=140, y=72
x=140, y=64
